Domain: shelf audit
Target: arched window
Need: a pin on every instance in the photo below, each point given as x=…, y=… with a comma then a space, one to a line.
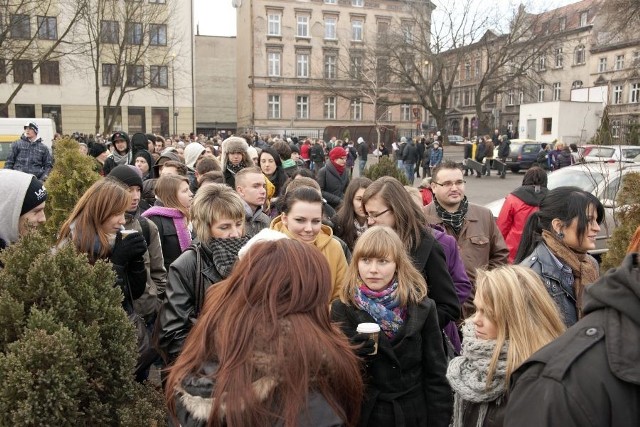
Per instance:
x=579, y=55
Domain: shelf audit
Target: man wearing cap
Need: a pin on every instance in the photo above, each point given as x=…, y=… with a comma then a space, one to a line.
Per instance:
x=100, y=153
x=21, y=205
x=119, y=156
x=148, y=304
x=30, y=155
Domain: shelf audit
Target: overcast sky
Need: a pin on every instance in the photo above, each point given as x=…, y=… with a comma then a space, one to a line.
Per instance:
x=218, y=17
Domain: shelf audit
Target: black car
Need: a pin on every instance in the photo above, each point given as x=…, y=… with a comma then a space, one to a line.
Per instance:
x=522, y=155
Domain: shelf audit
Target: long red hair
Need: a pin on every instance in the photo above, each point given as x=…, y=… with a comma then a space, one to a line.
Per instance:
x=634, y=244
x=270, y=319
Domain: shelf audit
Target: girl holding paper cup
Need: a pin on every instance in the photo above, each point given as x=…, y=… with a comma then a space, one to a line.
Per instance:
x=405, y=378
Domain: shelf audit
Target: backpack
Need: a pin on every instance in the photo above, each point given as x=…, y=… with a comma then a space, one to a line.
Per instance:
x=542, y=159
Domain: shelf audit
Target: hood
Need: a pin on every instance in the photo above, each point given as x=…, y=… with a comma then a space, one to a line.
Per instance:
x=165, y=157
x=618, y=288
x=13, y=187
x=528, y=194
x=191, y=154
x=139, y=142
x=322, y=239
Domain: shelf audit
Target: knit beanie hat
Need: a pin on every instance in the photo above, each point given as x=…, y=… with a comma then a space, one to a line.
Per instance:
x=337, y=153
x=265, y=235
x=191, y=154
x=36, y=195
x=97, y=148
x=128, y=175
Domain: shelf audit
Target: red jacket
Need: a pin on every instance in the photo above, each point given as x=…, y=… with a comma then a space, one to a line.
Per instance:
x=304, y=151
x=514, y=214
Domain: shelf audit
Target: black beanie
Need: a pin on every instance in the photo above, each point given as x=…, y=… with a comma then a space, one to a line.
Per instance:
x=36, y=195
x=97, y=148
x=127, y=174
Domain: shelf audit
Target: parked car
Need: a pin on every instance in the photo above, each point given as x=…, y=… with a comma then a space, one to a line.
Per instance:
x=600, y=179
x=610, y=153
x=455, y=139
x=522, y=155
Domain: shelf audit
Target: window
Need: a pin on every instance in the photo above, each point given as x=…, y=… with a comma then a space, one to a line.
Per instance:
x=357, y=3
x=407, y=33
x=634, y=94
x=356, y=66
x=135, y=75
x=302, y=106
x=558, y=56
x=133, y=31
x=302, y=65
x=578, y=55
x=356, y=109
x=330, y=70
x=273, y=107
x=158, y=2
x=330, y=107
x=303, y=26
x=383, y=71
x=47, y=27
x=273, y=24
x=383, y=30
x=160, y=121
x=467, y=71
x=405, y=112
x=542, y=63
x=636, y=58
x=619, y=62
x=466, y=98
x=50, y=73
x=562, y=23
x=521, y=97
x=330, y=23
x=22, y=71
x=330, y=1
x=556, y=91
x=109, y=74
x=546, y=125
x=617, y=94
x=583, y=19
x=157, y=34
x=478, y=67
x=115, y=113
x=3, y=72
x=602, y=65
x=356, y=31
x=26, y=110
x=510, y=97
x=540, y=93
x=20, y=27
x=615, y=128
x=136, y=119
x=159, y=76
x=53, y=112
x=273, y=65
x=109, y=31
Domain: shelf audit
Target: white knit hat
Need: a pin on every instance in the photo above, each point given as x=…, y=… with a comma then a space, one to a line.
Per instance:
x=265, y=235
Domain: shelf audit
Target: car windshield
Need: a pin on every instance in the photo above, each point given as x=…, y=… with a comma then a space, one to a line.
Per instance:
x=630, y=153
x=584, y=179
x=600, y=152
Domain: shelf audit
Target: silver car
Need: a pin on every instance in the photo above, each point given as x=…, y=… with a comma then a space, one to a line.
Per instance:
x=600, y=179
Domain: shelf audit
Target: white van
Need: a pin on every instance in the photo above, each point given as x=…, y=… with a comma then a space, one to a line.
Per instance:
x=12, y=128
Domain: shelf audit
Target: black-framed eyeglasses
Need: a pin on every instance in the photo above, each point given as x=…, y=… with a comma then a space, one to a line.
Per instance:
x=377, y=214
x=449, y=184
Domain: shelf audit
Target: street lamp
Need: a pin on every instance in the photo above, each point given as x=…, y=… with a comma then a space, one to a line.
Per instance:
x=173, y=90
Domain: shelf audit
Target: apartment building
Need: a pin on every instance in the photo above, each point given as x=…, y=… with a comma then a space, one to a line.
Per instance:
x=297, y=61
x=130, y=64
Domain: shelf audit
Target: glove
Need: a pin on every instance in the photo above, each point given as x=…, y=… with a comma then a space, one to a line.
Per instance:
x=365, y=344
x=129, y=249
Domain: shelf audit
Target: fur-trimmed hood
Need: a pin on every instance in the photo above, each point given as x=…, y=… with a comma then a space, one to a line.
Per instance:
x=235, y=144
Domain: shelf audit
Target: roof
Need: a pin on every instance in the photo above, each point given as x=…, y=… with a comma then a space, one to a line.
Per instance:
x=571, y=13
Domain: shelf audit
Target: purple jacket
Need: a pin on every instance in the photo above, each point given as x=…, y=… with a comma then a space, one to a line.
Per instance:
x=458, y=275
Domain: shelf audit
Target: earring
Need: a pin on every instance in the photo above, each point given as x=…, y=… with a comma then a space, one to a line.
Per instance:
x=560, y=235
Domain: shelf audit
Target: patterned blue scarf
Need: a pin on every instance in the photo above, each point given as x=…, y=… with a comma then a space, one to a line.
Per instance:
x=383, y=306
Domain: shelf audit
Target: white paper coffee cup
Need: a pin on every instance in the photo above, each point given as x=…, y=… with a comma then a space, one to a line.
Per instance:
x=127, y=233
x=373, y=329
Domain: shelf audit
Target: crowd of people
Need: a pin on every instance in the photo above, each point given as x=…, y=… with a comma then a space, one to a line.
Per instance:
x=254, y=263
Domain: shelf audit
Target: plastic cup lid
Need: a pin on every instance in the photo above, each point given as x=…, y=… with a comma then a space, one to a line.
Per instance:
x=368, y=328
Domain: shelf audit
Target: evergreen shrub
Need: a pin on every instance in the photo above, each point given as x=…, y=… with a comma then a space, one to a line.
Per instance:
x=385, y=167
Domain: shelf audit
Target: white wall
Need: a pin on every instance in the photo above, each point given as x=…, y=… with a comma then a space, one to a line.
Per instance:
x=571, y=122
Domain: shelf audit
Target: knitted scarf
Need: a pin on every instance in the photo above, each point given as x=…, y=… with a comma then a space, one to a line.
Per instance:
x=584, y=270
x=360, y=229
x=383, y=306
x=339, y=168
x=179, y=221
x=224, y=253
x=467, y=375
x=234, y=169
x=456, y=219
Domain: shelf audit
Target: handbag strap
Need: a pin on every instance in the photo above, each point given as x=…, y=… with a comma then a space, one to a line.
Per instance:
x=199, y=291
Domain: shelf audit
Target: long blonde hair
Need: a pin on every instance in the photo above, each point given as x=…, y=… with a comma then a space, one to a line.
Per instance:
x=382, y=242
x=104, y=199
x=518, y=304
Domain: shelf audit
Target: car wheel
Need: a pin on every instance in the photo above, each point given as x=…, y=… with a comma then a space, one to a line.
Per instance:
x=515, y=169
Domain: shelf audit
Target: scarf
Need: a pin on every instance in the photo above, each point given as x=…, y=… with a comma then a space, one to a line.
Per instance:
x=584, y=271
x=179, y=222
x=120, y=159
x=234, y=169
x=467, y=375
x=289, y=163
x=224, y=253
x=383, y=306
x=456, y=219
x=360, y=229
x=339, y=168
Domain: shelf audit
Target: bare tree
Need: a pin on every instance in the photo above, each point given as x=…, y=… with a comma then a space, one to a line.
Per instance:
x=125, y=41
x=23, y=50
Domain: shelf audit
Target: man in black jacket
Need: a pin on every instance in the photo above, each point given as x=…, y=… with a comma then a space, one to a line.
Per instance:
x=590, y=376
x=409, y=159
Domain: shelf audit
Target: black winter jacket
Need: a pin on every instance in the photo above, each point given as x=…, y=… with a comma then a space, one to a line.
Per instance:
x=410, y=154
x=168, y=239
x=590, y=376
x=332, y=182
x=405, y=381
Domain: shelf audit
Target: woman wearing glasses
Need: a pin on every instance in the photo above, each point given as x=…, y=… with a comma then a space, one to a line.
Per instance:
x=387, y=203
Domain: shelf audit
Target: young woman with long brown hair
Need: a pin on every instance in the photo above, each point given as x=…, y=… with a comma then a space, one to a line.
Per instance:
x=351, y=221
x=264, y=351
